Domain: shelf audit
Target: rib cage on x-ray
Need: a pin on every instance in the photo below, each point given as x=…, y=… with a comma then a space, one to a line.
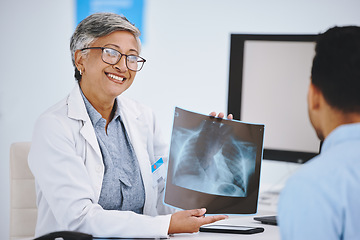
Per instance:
x=210, y=159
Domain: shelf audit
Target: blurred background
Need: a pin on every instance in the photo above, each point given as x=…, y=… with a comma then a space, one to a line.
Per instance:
x=186, y=44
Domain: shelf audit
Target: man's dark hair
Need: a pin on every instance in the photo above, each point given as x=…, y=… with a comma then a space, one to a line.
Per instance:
x=336, y=67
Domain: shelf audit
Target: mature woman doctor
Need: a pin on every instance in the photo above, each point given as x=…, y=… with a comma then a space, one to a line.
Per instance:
x=92, y=153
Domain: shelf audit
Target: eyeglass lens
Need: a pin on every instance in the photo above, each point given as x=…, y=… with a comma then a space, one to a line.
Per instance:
x=112, y=56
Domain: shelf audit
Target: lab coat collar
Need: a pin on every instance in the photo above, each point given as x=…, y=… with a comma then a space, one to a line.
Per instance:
x=76, y=105
x=77, y=111
x=129, y=112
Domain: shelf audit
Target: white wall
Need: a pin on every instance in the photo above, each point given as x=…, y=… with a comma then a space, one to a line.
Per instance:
x=36, y=71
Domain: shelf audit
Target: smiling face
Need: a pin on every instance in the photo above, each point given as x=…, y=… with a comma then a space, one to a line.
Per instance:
x=102, y=82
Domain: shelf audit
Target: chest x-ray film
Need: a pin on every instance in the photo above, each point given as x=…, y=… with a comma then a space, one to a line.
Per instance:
x=214, y=163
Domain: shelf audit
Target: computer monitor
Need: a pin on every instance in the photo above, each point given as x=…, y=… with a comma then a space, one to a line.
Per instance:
x=268, y=82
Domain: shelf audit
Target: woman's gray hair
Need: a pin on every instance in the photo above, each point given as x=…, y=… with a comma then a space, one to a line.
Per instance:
x=95, y=26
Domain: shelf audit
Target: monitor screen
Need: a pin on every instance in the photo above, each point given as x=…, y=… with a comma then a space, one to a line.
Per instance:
x=268, y=83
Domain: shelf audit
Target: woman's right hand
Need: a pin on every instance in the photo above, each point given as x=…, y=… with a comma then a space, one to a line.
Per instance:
x=190, y=221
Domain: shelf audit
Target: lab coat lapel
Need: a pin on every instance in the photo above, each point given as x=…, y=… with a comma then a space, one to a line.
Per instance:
x=137, y=130
x=77, y=111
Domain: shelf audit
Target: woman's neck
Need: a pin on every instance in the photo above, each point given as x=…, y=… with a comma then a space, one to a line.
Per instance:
x=103, y=105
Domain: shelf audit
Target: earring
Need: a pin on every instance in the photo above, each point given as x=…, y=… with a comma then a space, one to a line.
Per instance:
x=80, y=72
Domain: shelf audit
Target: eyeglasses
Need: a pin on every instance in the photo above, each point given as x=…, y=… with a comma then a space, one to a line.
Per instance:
x=112, y=57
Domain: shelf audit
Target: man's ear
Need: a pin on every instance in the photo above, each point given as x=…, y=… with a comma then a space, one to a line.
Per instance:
x=79, y=59
x=314, y=97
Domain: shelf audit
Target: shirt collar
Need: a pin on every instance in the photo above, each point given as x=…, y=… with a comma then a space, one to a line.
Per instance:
x=94, y=115
x=345, y=132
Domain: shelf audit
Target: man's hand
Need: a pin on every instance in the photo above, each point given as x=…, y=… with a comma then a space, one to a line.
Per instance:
x=189, y=221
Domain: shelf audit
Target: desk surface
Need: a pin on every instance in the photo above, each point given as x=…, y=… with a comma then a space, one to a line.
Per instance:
x=271, y=232
x=267, y=207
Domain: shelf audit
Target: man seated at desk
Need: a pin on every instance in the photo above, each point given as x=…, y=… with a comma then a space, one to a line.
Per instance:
x=321, y=201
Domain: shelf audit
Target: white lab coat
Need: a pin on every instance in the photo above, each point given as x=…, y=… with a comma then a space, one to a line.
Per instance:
x=66, y=161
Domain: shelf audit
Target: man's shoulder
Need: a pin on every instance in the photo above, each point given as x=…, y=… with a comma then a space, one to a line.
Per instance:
x=306, y=182
x=315, y=198
x=309, y=170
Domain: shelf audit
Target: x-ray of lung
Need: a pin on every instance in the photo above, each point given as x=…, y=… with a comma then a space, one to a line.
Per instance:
x=212, y=160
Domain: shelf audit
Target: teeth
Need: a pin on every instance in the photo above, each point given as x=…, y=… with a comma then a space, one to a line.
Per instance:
x=115, y=77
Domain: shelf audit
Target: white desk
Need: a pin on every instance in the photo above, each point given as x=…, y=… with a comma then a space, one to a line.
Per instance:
x=267, y=207
x=271, y=232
